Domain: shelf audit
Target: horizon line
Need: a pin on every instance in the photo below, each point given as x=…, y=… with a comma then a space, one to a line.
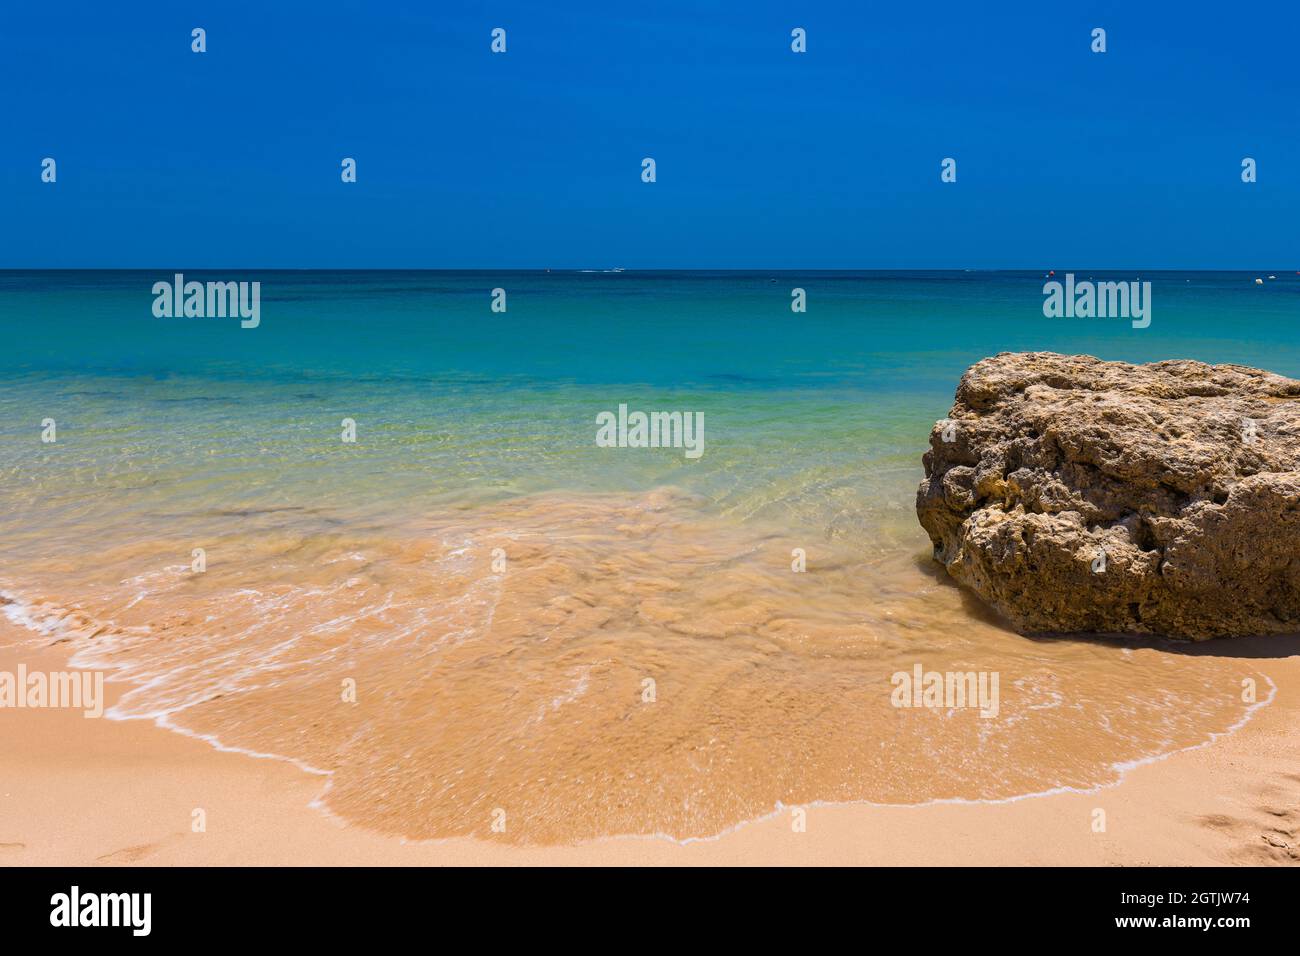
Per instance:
x=543, y=270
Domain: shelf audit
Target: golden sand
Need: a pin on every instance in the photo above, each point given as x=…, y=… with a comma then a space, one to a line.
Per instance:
x=636, y=666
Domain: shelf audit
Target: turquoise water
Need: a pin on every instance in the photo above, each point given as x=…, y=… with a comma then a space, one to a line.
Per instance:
x=520, y=685
x=817, y=420
x=709, y=331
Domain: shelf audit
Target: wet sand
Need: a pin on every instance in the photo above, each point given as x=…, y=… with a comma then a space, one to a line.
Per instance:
x=633, y=666
x=80, y=791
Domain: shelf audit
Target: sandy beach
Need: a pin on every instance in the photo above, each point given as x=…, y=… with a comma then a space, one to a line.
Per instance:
x=99, y=792
x=629, y=655
x=559, y=435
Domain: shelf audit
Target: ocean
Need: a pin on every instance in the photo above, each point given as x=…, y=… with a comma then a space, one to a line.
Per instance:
x=474, y=607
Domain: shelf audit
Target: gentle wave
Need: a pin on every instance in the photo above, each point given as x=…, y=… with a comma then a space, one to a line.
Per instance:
x=524, y=689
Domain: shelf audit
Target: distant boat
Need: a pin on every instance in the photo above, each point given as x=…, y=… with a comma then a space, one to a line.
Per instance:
x=1259, y=282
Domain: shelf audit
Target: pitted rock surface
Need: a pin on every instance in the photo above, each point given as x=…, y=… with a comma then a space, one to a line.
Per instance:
x=1078, y=495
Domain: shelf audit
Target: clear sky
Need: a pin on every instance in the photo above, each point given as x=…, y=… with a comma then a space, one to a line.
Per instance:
x=765, y=158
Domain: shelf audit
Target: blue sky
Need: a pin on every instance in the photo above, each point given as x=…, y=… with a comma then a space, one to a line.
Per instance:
x=765, y=158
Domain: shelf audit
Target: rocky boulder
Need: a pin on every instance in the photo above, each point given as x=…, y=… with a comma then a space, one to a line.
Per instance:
x=1076, y=495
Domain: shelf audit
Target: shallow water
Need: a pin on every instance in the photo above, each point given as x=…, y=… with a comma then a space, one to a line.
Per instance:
x=595, y=641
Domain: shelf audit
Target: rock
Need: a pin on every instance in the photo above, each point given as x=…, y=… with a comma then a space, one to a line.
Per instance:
x=1076, y=495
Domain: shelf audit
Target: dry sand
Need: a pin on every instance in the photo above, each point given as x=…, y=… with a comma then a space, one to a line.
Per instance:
x=77, y=791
